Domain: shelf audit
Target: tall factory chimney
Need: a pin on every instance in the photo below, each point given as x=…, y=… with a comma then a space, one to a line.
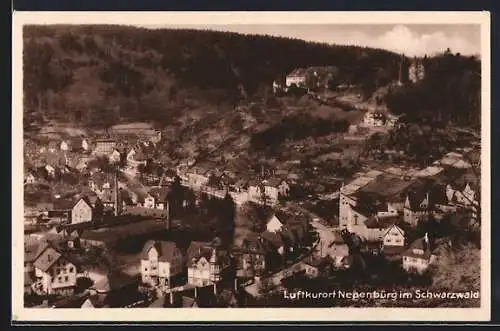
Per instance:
x=168, y=220
x=116, y=196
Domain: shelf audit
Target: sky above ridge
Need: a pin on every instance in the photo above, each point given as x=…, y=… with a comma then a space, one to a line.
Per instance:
x=410, y=39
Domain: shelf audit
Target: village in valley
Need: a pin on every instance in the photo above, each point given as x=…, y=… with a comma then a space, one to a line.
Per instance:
x=131, y=216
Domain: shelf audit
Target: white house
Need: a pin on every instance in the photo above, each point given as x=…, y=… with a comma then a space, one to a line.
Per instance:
x=393, y=236
x=30, y=178
x=51, y=171
x=161, y=260
x=297, y=78
x=85, y=144
x=419, y=256
x=274, y=224
x=54, y=274
x=149, y=201
x=115, y=157
x=64, y=146
x=206, y=264
x=416, y=207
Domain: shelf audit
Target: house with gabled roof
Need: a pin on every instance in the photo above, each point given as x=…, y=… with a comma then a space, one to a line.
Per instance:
x=160, y=262
x=416, y=206
x=29, y=178
x=337, y=249
x=251, y=256
x=87, y=209
x=296, y=78
x=157, y=198
x=419, y=255
x=393, y=241
x=206, y=263
x=113, y=290
x=54, y=273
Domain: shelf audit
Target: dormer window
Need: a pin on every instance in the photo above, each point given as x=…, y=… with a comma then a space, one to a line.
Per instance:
x=418, y=251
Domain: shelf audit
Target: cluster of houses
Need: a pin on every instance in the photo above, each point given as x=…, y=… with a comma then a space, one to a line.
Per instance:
x=48, y=271
x=378, y=206
x=277, y=243
x=265, y=191
x=74, y=154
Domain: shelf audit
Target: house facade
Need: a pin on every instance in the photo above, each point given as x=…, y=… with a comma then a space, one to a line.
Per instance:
x=160, y=262
x=54, y=274
x=419, y=256
x=64, y=146
x=393, y=241
x=416, y=208
x=374, y=119
x=87, y=209
x=29, y=179
x=104, y=146
x=206, y=264
x=337, y=250
x=251, y=257
x=115, y=157
x=296, y=78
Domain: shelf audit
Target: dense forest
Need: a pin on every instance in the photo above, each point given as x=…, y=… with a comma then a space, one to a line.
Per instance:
x=97, y=75
x=449, y=92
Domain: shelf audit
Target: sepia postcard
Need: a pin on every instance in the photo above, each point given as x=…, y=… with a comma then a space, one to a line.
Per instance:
x=289, y=166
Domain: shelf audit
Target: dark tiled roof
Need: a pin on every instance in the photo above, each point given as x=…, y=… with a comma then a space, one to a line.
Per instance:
x=382, y=222
x=437, y=195
x=252, y=244
x=419, y=244
x=415, y=197
x=47, y=259
x=160, y=193
x=273, y=238
x=165, y=250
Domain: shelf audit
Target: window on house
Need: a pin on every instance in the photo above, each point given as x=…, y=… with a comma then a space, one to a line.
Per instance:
x=66, y=278
x=71, y=269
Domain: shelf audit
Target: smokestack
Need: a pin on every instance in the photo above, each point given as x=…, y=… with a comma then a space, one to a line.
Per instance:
x=215, y=288
x=171, y=297
x=116, y=202
x=236, y=284
x=196, y=292
x=168, y=215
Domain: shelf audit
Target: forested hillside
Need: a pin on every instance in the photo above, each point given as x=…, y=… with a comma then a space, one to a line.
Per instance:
x=449, y=93
x=98, y=75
